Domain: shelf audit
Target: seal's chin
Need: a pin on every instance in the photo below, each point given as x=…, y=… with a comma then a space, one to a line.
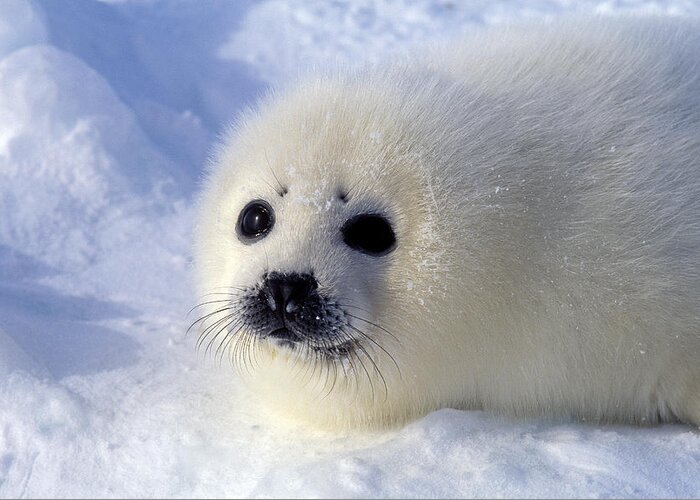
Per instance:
x=285, y=338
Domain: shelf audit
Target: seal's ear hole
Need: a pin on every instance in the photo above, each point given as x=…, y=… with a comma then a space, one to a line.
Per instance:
x=255, y=221
x=369, y=233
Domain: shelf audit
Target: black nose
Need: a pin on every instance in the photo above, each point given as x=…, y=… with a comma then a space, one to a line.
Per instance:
x=287, y=292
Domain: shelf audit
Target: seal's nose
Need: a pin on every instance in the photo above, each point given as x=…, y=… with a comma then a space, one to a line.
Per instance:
x=287, y=292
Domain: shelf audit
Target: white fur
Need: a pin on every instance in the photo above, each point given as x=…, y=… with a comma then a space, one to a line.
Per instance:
x=544, y=183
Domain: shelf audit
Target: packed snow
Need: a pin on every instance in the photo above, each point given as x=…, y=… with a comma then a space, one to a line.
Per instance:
x=108, y=112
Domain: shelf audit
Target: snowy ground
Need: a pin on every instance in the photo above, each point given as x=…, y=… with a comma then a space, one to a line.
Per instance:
x=107, y=113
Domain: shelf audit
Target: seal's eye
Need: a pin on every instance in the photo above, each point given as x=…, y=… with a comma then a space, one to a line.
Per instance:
x=255, y=220
x=369, y=233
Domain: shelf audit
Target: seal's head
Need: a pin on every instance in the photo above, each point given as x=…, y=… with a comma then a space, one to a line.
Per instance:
x=317, y=249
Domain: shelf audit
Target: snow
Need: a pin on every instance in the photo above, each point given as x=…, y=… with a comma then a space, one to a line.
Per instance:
x=21, y=24
x=108, y=111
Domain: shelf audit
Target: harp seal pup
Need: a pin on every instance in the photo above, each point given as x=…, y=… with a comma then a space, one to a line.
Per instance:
x=511, y=223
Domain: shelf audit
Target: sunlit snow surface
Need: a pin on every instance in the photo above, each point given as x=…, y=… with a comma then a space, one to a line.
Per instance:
x=107, y=114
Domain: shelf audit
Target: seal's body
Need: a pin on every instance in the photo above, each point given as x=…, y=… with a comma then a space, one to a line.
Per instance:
x=509, y=224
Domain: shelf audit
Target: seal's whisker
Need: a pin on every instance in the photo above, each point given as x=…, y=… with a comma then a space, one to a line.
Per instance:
x=205, y=334
x=345, y=304
x=235, y=294
x=351, y=370
x=218, y=354
x=243, y=354
x=229, y=287
x=310, y=366
x=224, y=328
x=335, y=379
x=347, y=364
x=236, y=354
x=251, y=349
x=202, y=319
x=334, y=363
x=345, y=301
x=254, y=352
x=376, y=367
x=207, y=316
x=398, y=369
x=232, y=292
x=373, y=324
x=316, y=365
x=202, y=304
x=283, y=190
x=369, y=377
x=223, y=345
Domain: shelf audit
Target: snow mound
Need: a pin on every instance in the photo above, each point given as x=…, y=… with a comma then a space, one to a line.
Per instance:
x=21, y=24
x=451, y=454
x=71, y=157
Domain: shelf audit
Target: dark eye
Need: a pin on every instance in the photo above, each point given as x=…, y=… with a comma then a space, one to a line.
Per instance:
x=255, y=220
x=369, y=233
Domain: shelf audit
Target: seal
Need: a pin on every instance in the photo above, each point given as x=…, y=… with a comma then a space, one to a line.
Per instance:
x=508, y=223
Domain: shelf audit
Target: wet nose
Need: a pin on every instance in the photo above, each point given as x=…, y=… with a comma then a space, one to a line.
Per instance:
x=286, y=292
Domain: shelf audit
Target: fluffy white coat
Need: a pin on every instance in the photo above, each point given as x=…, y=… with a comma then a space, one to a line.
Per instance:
x=544, y=186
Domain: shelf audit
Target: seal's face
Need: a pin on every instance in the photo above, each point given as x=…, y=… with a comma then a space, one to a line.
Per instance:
x=288, y=308
x=304, y=272
x=312, y=251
